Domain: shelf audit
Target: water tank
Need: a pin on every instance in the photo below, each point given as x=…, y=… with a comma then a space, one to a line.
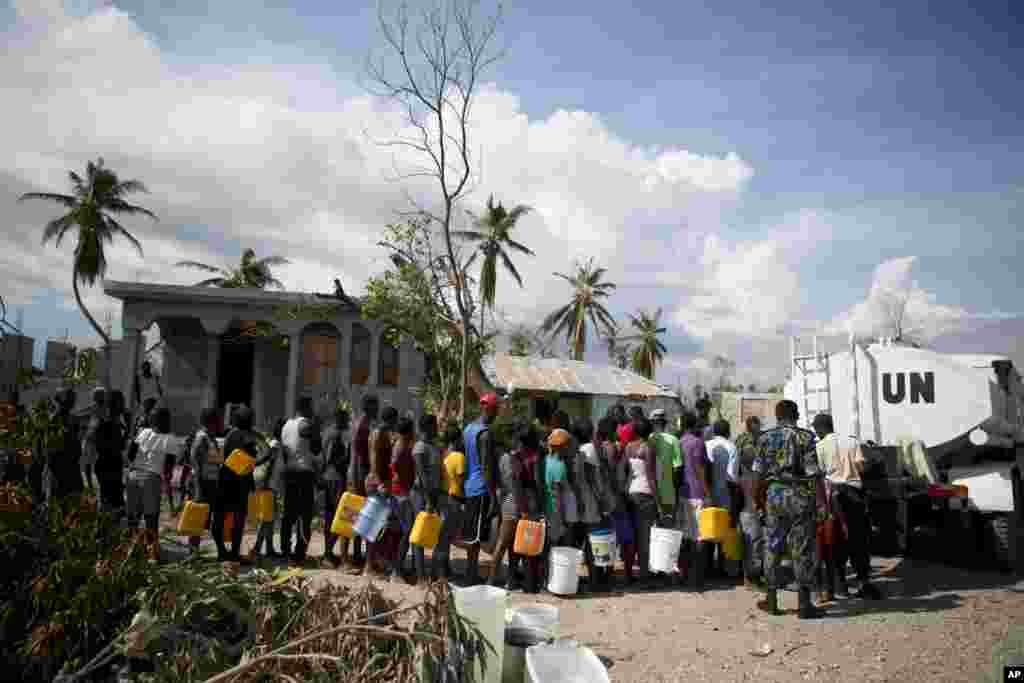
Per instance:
x=919, y=394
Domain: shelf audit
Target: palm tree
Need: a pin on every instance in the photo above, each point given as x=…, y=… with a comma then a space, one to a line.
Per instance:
x=572, y=318
x=649, y=350
x=251, y=273
x=92, y=205
x=493, y=234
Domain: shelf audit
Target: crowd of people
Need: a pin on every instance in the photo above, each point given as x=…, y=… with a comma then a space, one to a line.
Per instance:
x=794, y=496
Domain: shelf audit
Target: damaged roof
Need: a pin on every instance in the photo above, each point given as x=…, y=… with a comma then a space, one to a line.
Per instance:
x=569, y=376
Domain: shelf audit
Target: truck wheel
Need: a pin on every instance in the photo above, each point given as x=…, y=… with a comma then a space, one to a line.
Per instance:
x=1001, y=542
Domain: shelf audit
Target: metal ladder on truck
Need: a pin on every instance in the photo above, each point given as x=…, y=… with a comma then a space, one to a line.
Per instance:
x=816, y=396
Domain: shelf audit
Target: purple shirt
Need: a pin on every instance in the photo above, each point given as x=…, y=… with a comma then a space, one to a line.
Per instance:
x=694, y=454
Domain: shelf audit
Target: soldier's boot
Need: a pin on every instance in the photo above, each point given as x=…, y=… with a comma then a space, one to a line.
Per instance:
x=770, y=604
x=807, y=610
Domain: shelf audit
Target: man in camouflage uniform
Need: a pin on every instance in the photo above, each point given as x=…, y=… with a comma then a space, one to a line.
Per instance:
x=786, y=469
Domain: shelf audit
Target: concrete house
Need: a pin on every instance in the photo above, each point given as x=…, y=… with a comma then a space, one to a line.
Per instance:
x=213, y=358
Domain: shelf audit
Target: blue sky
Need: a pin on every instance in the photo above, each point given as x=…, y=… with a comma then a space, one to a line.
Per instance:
x=896, y=126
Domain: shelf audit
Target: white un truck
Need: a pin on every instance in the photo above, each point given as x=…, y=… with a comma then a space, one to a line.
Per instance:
x=945, y=433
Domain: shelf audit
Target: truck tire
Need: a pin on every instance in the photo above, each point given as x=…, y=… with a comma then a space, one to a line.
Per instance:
x=1002, y=541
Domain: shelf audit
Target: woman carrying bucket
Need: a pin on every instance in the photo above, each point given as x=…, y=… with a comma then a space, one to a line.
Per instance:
x=614, y=482
x=517, y=501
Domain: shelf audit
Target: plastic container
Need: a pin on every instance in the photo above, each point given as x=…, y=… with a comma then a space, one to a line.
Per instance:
x=261, y=505
x=485, y=606
x=536, y=616
x=426, y=531
x=665, y=544
x=603, y=545
x=564, y=662
x=563, y=578
x=193, y=519
x=517, y=640
x=345, y=516
x=240, y=462
x=529, y=538
x=732, y=545
x=372, y=518
x=713, y=523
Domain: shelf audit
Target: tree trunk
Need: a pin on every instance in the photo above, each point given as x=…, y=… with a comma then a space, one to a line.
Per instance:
x=95, y=325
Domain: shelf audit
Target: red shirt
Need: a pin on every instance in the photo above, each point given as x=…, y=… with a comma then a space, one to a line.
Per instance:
x=402, y=469
x=625, y=433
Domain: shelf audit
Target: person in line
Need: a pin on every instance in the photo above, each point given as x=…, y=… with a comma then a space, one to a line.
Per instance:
x=842, y=460
x=333, y=482
x=694, y=491
x=302, y=462
x=587, y=472
x=426, y=487
x=724, y=463
x=233, y=488
x=530, y=454
x=515, y=502
x=480, y=487
x=556, y=483
x=206, y=459
x=378, y=482
x=403, y=476
x=453, y=472
x=147, y=387
x=667, y=455
x=273, y=459
x=359, y=470
x=142, y=416
x=90, y=454
x=750, y=520
x=148, y=452
x=616, y=480
x=703, y=407
x=786, y=469
x=107, y=435
x=643, y=482
x=63, y=463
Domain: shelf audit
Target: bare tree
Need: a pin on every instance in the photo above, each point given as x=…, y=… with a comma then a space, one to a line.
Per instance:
x=895, y=321
x=439, y=57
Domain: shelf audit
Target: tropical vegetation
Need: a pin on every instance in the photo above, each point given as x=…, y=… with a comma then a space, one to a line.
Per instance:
x=493, y=235
x=649, y=351
x=585, y=311
x=94, y=202
x=251, y=273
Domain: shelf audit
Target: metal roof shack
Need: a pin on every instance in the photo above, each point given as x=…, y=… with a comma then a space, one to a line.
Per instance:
x=524, y=373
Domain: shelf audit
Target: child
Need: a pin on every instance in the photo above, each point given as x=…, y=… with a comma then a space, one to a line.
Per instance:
x=271, y=482
x=453, y=471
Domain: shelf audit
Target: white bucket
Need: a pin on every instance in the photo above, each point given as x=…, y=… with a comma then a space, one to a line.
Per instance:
x=665, y=544
x=563, y=578
x=604, y=546
x=486, y=606
x=563, y=662
x=536, y=616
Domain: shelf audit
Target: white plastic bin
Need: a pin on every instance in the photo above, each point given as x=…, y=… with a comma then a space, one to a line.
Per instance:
x=563, y=577
x=665, y=544
x=535, y=616
x=486, y=607
x=562, y=662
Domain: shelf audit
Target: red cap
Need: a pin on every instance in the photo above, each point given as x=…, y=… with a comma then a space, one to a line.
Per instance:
x=489, y=400
x=625, y=433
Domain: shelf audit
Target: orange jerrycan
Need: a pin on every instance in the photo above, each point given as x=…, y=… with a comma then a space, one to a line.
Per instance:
x=427, y=530
x=192, y=521
x=345, y=516
x=261, y=505
x=529, y=538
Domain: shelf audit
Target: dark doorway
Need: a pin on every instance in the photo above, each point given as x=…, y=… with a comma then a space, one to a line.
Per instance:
x=235, y=374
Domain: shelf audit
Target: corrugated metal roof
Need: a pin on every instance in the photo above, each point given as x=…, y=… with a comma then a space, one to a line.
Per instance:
x=568, y=376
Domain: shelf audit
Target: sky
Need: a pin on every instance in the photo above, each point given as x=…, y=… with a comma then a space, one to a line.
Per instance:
x=755, y=170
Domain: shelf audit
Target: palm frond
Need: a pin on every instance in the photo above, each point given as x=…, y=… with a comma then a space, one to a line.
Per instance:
x=119, y=229
x=201, y=266
x=521, y=248
x=510, y=267
x=469, y=235
x=57, y=228
x=131, y=186
x=62, y=199
x=268, y=261
x=212, y=282
x=121, y=206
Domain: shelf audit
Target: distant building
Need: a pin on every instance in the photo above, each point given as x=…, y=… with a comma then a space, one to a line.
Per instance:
x=58, y=355
x=580, y=389
x=213, y=356
x=15, y=354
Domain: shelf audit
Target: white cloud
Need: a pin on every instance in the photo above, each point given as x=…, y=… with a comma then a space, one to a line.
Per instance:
x=751, y=288
x=271, y=157
x=892, y=287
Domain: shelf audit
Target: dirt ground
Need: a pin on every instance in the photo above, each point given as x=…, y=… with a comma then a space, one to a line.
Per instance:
x=937, y=623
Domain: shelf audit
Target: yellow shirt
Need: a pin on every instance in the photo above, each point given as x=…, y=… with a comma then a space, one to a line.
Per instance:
x=453, y=472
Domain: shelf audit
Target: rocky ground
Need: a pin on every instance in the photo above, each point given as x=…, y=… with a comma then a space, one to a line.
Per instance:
x=937, y=623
